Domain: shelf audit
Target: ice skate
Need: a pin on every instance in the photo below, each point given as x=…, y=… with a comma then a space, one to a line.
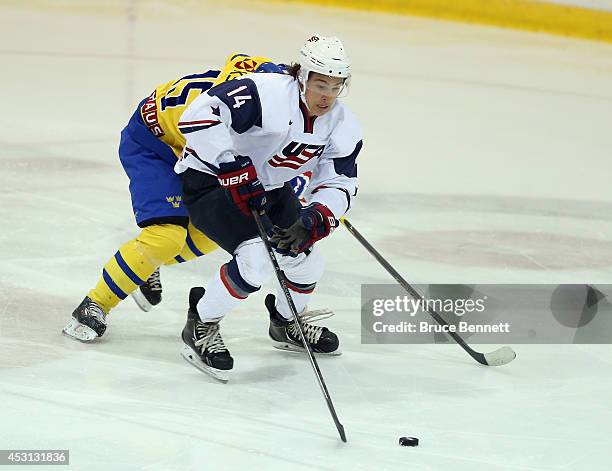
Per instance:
x=204, y=347
x=286, y=336
x=88, y=321
x=149, y=294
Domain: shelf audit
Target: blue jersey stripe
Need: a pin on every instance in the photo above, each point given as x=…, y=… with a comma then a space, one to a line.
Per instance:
x=190, y=129
x=212, y=74
x=179, y=259
x=348, y=165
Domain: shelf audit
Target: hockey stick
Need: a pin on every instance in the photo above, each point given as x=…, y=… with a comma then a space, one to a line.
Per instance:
x=280, y=276
x=498, y=357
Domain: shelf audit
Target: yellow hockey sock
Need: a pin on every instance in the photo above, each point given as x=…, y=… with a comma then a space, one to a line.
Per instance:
x=135, y=261
x=196, y=245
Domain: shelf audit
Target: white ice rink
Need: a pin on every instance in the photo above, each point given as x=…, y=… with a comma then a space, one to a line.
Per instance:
x=487, y=158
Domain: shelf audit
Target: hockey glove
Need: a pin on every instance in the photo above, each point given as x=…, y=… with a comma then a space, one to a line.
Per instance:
x=271, y=68
x=241, y=184
x=314, y=222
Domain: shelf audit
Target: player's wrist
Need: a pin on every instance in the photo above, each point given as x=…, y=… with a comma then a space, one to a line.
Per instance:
x=239, y=172
x=319, y=219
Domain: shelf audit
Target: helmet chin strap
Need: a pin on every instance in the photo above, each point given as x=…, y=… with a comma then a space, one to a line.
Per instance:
x=302, y=81
x=302, y=88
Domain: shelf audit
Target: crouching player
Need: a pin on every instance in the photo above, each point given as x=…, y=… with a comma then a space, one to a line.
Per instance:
x=148, y=150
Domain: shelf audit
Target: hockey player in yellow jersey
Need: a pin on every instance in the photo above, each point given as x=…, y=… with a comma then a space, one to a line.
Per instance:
x=149, y=147
x=162, y=110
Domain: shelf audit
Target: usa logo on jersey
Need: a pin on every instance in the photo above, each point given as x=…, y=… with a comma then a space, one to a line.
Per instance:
x=295, y=154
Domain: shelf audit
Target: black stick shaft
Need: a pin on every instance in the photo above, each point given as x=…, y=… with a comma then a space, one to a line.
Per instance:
x=479, y=357
x=315, y=366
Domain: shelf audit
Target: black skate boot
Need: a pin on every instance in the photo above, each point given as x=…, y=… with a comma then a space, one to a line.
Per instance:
x=149, y=294
x=285, y=334
x=88, y=321
x=204, y=347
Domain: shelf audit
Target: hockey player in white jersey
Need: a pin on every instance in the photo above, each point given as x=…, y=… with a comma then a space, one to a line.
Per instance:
x=246, y=139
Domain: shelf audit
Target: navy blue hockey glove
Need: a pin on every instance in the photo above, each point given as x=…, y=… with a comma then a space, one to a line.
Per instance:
x=314, y=222
x=271, y=68
x=242, y=186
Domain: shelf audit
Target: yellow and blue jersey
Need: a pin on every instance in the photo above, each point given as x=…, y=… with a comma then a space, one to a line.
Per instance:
x=149, y=147
x=161, y=111
x=151, y=142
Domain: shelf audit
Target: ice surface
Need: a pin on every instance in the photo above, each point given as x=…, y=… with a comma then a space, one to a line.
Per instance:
x=487, y=158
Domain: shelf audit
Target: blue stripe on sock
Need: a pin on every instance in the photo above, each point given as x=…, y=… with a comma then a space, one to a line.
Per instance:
x=301, y=285
x=192, y=246
x=112, y=285
x=234, y=274
x=179, y=259
x=127, y=270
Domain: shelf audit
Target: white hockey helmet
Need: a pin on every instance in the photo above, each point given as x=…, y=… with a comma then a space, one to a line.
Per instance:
x=326, y=56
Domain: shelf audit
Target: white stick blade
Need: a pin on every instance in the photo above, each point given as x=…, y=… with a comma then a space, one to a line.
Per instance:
x=501, y=356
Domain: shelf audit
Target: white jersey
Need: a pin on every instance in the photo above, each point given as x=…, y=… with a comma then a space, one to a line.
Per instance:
x=261, y=116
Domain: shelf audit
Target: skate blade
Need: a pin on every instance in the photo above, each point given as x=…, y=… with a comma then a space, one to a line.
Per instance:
x=79, y=331
x=289, y=347
x=220, y=375
x=140, y=300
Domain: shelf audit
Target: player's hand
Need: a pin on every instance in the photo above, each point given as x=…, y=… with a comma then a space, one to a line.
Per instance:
x=314, y=222
x=240, y=181
x=271, y=68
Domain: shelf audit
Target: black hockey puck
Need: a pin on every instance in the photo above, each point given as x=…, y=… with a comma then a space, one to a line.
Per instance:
x=409, y=441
